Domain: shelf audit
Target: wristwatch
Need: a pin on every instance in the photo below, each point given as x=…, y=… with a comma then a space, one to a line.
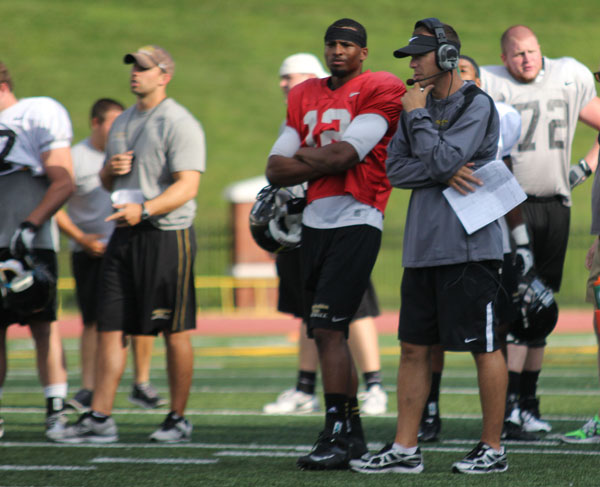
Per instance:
x=145, y=214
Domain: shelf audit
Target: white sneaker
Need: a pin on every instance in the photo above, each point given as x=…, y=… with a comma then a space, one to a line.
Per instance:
x=293, y=401
x=374, y=400
x=173, y=430
x=532, y=424
x=55, y=425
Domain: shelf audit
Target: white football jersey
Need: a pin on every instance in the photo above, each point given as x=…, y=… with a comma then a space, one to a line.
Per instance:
x=549, y=108
x=29, y=128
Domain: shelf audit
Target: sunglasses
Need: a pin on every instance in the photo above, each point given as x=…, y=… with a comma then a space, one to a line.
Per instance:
x=597, y=76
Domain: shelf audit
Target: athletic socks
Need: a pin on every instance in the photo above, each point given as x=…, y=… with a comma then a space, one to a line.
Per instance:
x=372, y=378
x=306, y=382
x=335, y=410
x=529, y=380
x=434, y=391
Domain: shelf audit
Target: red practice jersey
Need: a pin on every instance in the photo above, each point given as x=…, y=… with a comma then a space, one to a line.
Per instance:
x=321, y=115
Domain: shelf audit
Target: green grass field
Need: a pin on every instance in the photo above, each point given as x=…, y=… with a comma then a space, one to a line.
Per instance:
x=234, y=444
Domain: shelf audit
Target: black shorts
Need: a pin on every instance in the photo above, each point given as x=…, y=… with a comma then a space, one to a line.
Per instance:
x=548, y=224
x=47, y=258
x=337, y=265
x=451, y=305
x=506, y=309
x=289, y=270
x=148, y=281
x=87, y=274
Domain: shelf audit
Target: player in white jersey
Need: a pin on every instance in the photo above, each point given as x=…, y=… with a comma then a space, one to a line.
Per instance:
x=551, y=95
x=36, y=178
x=84, y=222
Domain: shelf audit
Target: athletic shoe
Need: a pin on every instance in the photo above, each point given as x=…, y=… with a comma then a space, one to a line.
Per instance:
x=374, y=400
x=145, y=395
x=389, y=460
x=587, y=434
x=330, y=452
x=530, y=416
x=482, y=459
x=513, y=428
x=293, y=401
x=1, y=427
x=81, y=401
x=358, y=447
x=55, y=425
x=89, y=430
x=431, y=424
x=511, y=431
x=173, y=430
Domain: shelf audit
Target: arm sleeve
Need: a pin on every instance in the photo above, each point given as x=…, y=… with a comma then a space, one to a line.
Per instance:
x=287, y=144
x=365, y=132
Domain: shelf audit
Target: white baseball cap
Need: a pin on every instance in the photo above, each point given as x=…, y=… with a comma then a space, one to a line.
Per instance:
x=303, y=63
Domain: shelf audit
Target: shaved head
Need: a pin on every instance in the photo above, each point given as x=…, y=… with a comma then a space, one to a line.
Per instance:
x=521, y=53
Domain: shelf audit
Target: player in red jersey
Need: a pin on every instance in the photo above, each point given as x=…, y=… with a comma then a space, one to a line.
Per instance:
x=336, y=138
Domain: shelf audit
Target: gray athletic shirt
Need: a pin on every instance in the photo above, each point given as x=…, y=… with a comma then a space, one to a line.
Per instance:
x=165, y=139
x=89, y=206
x=422, y=159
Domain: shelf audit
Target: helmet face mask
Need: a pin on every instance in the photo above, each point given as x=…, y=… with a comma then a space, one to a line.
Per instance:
x=25, y=289
x=538, y=312
x=276, y=218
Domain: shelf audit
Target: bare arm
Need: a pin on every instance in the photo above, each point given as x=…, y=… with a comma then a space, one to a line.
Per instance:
x=330, y=159
x=183, y=189
x=59, y=171
x=287, y=171
x=90, y=242
x=590, y=114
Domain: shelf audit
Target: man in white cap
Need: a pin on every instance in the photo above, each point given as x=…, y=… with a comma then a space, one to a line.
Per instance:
x=363, y=334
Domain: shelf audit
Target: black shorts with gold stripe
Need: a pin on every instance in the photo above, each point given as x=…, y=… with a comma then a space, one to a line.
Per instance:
x=147, y=282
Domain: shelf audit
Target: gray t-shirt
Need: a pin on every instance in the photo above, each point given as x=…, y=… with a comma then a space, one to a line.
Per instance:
x=164, y=139
x=90, y=204
x=423, y=158
x=549, y=108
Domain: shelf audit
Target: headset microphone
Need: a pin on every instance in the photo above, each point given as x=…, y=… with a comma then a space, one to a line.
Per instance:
x=411, y=81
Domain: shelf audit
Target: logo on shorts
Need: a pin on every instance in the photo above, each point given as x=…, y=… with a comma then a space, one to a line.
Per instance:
x=335, y=319
x=319, y=311
x=469, y=340
x=161, y=314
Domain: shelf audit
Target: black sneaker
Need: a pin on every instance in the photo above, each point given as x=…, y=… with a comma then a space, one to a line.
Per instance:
x=81, y=401
x=358, y=447
x=145, y=395
x=330, y=452
x=431, y=424
x=482, y=459
x=512, y=431
x=388, y=460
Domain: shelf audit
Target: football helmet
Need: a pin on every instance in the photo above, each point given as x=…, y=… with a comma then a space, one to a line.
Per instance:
x=276, y=218
x=537, y=309
x=26, y=288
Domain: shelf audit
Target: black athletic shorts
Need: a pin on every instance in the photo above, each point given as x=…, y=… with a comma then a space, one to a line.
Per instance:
x=289, y=270
x=451, y=305
x=337, y=265
x=148, y=281
x=43, y=256
x=548, y=224
x=87, y=273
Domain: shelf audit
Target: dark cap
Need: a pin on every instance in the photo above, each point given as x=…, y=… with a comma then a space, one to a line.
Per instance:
x=150, y=56
x=417, y=44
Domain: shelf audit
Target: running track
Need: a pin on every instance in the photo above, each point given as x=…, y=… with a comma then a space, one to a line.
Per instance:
x=569, y=321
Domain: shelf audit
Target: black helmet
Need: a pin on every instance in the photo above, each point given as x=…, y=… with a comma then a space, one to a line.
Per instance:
x=276, y=218
x=26, y=287
x=537, y=309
